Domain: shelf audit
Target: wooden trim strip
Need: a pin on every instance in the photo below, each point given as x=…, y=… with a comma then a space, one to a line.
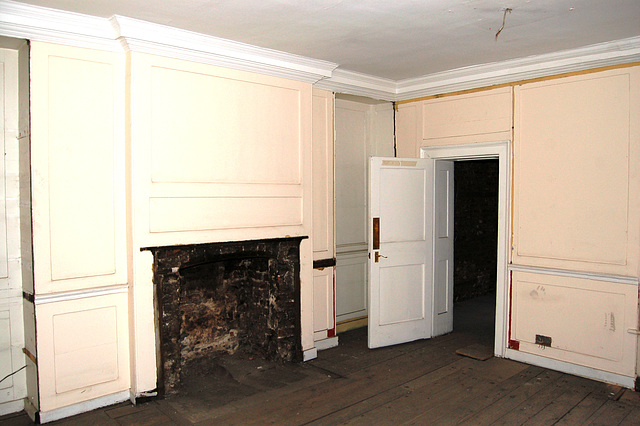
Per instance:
x=573, y=274
x=324, y=263
x=519, y=82
x=80, y=294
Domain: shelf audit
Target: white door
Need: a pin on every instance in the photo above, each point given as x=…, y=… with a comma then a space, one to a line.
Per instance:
x=443, y=249
x=400, y=250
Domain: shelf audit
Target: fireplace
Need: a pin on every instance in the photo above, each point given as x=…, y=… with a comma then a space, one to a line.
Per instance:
x=217, y=299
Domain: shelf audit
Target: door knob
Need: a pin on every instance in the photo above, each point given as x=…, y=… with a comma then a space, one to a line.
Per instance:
x=377, y=256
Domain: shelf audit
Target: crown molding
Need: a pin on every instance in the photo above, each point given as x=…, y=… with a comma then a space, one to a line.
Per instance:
x=37, y=23
x=142, y=36
x=598, y=55
x=353, y=83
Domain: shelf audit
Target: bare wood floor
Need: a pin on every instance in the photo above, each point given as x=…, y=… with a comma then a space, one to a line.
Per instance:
x=422, y=382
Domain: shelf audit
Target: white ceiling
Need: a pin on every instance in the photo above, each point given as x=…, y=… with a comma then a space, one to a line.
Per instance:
x=392, y=39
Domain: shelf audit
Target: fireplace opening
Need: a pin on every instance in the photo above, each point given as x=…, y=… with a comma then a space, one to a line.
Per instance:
x=219, y=299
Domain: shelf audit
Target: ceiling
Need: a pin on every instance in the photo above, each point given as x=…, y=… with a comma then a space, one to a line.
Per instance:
x=391, y=39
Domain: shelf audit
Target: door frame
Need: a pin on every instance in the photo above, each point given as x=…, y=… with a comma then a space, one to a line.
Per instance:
x=502, y=151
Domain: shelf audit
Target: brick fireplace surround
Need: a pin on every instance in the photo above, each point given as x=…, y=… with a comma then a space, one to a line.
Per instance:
x=219, y=298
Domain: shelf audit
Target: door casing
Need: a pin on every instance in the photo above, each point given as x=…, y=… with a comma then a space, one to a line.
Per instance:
x=502, y=151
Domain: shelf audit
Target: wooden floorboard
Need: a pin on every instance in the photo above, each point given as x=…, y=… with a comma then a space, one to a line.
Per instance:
x=473, y=401
x=418, y=383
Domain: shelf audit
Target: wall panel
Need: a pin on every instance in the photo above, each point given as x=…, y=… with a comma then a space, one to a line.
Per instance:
x=77, y=168
x=323, y=303
x=83, y=349
x=323, y=189
x=466, y=115
x=218, y=154
x=586, y=319
x=576, y=186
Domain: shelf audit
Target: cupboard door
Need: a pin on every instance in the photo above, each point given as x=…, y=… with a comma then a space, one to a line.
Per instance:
x=324, y=319
x=322, y=147
x=77, y=168
x=83, y=349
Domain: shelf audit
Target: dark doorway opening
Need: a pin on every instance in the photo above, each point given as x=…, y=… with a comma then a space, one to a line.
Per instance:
x=475, y=247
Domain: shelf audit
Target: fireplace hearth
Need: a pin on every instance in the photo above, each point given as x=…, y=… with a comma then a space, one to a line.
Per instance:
x=217, y=299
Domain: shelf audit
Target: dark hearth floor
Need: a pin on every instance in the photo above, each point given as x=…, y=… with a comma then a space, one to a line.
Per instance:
x=423, y=382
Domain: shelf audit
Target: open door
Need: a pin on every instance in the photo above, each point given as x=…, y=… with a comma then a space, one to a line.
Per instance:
x=400, y=250
x=443, y=248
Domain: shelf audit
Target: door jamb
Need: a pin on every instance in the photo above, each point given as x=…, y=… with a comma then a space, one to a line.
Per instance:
x=501, y=150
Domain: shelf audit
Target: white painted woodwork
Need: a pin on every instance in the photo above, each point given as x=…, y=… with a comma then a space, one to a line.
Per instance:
x=382, y=130
x=351, y=284
x=77, y=153
x=587, y=319
x=480, y=117
x=364, y=127
x=191, y=42
x=576, y=186
x=219, y=154
x=443, y=237
x=502, y=152
x=83, y=349
x=13, y=390
x=8, y=63
x=323, y=303
x=324, y=320
x=323, y=189
x=32, y=401
x=408, y=129
x=575, y=209
x=400, y=288
x=351, y=172
x=467, y=115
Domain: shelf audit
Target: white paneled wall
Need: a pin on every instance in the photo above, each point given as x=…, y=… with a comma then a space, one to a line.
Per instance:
x=217, y=155
x=79, y=226
x=576, y=210
x=576, y=186
x=77, y=160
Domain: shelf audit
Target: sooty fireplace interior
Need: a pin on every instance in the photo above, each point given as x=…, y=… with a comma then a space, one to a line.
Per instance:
x=220, y=298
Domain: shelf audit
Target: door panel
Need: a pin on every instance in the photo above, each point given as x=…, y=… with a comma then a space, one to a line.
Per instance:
x=443, y=247
x=400, y=299
x=400, y=294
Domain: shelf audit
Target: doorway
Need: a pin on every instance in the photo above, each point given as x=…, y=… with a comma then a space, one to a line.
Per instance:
x=475, y=244
x=500, y=153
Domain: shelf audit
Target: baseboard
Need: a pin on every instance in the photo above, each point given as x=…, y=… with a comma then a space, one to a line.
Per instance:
x=351, y=324
x=31, y=410
x=11, y=407
x=72, y=410
x=566, y=367
x=323, y=344
x=310, y=354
